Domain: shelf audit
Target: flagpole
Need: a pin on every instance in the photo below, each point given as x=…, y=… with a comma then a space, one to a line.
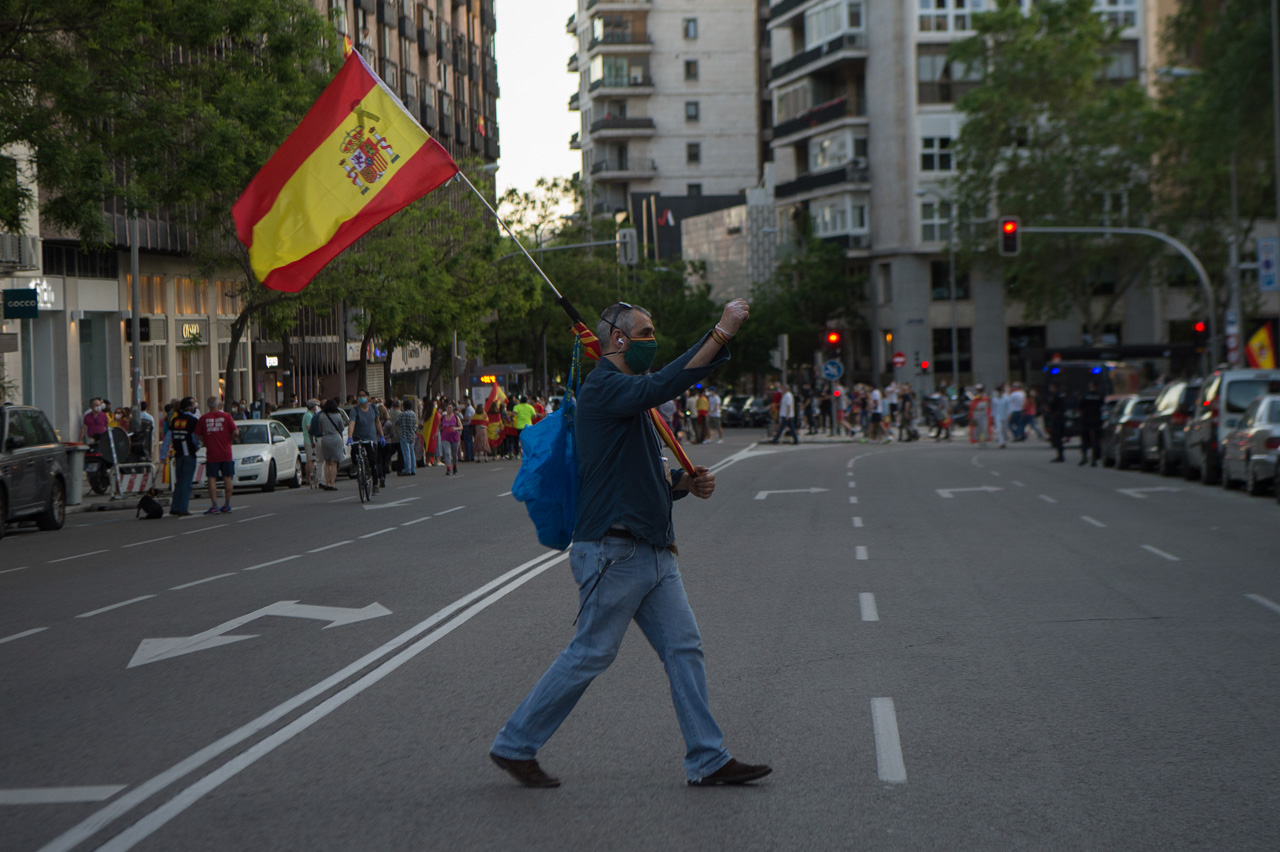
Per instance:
x=511, y=234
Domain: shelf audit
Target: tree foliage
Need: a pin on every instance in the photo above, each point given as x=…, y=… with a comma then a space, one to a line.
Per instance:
x=1053, y=136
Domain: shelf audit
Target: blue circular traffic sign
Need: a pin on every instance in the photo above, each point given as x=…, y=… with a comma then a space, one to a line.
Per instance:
x=832, y=370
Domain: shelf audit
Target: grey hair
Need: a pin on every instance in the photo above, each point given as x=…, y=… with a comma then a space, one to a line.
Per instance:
x=625, y=321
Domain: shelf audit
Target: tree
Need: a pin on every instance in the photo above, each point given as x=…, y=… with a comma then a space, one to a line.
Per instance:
x=1055, y=135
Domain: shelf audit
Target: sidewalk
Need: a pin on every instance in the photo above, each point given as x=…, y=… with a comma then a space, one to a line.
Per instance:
x=103, y=502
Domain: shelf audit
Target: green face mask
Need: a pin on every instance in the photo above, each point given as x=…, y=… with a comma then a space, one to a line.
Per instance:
x=640, y=356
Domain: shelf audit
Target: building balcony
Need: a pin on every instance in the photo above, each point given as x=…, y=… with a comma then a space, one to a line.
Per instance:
x=782, y=7
x=573, y=102
x=620, y=43
x=621, y=128
x=427, y=115
x=823, y=114
x=492, y=150
x=604, y=171
x=852, y=45
x=621, y=87
x=390, y=73
x=571, y=25
x=19, y=253
x=573, y=64
x=491, y=77
x=487, y=18
x=575, y=143
x=851, y=176
x=426, y=40
x=600, y=6
x=849, y=242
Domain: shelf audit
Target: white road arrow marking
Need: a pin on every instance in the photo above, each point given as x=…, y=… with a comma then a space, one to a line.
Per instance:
x=153, y=650
x=393, y=504
x=947, y=493
x=760, y=495
x=1141, y=493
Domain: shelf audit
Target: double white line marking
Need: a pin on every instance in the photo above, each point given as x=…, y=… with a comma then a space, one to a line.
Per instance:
x=457, y=613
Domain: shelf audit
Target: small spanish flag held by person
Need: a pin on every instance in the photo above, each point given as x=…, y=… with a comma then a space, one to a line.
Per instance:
x=357, y=158
x=1261, y=350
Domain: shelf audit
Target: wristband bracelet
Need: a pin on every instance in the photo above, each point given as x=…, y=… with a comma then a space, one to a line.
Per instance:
x=719, y=337
x=722, y=331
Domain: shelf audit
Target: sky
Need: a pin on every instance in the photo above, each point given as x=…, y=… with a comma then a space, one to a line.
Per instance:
x=533, y=50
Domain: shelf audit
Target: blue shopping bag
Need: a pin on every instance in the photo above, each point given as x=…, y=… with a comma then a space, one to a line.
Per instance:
x=547, y=483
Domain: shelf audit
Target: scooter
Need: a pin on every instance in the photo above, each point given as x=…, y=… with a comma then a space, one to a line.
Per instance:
x=110, y=449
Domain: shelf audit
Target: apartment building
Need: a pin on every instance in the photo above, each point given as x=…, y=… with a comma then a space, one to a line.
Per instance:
x=864, y=117
x=673, y=102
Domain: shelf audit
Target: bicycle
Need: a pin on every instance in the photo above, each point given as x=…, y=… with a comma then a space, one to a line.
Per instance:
x=361, y=451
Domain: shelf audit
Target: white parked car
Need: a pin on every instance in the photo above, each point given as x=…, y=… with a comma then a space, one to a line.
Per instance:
x=1252, y=450
x=292, y=420
x=265, y=455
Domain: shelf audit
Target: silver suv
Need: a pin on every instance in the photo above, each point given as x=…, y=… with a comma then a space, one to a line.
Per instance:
x=1222, y=401
x=33, y=469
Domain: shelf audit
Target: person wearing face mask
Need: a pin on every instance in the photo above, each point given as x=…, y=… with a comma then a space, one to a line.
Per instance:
x=95, y=423
x=623, y=557
x=365, y=426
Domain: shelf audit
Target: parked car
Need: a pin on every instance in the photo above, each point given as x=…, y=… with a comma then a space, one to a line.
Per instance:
x=1251, y=450
x=265, y=455
x=1217, y=410
x=733, y=411
x=33, y=469
x=1121, y=429
x=1162, y=434
x=292, y=420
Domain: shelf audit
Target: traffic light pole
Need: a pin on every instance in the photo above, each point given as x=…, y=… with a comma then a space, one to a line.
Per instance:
x=1182, y=249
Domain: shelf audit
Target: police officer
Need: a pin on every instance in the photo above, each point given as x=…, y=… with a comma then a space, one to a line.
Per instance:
x=1091, y=424
x=1055, y=409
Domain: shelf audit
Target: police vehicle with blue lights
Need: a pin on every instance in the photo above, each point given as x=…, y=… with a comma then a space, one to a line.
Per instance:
x=1114, y=378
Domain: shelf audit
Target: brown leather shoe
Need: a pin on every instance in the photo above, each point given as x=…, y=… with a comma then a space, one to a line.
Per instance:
x=733, y=772
x=527, y=772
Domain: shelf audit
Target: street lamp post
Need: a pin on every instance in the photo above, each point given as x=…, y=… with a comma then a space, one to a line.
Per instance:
x=951, y=280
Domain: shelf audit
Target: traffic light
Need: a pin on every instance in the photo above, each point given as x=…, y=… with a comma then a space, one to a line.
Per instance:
x=924, y=367
x=833, y=339
x=1010, y=235
x=1202, y=336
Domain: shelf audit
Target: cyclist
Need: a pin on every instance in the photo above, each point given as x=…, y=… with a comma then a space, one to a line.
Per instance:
x=364, y=433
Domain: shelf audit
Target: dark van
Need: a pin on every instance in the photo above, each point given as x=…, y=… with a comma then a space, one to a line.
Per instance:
x=1113, y=378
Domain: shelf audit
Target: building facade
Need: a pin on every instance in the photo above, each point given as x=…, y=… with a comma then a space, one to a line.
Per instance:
x=864, y=117
x=673, y=105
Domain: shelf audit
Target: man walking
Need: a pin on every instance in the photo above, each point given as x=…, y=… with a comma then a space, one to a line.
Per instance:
x=786, y=416
x=216, y=430
x=1091, y=424
x=623, y=557
x=182, y=429
x=408, y=425
x=713, y=417
x=1056, y=415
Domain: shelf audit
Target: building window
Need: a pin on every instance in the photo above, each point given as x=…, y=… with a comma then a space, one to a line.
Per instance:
x=693, y=152
x=940, y=283
x=940, y=16
x=935, y=154
x=836, y=149
x=1118, y=13
x=690, y=27
x=150, y=293
x=690, y=110
x=188, y=294
x=942, y=351
x=939, y=80
x=693, y=190
x=1122, y=62
x=229, y=300
x=829, y=20
x=836, y=216
x=935, y=221
x=691, y=69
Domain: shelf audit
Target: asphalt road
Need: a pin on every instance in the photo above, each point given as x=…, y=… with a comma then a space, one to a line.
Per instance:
x=935, y=646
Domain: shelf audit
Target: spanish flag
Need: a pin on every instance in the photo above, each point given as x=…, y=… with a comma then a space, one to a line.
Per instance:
x=1261, y=350
x=356, y=158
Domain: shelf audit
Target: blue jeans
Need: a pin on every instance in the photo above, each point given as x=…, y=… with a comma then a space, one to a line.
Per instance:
x=639, y=581
x=408, y=457
x=184, y=471
x=788, y=423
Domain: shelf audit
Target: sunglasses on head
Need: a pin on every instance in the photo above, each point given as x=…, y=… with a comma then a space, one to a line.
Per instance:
x=613, y=323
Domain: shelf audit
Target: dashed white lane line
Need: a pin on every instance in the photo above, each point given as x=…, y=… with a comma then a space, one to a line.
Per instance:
x=206, y=529
x=505, y=494
x=148, y=541
x=1046, y=498
x=11, y=570
x=867, y=602
x=884, y=722
x=58, y=795
x=852, y=484
x=345, y=499
x=379, y=532
x=1158, y=552
x=272, y=562
x=857, y=521
x=198, y=582
x=258, y=518
x=860, y=552
x=447, y=511
x=77, y=556
x=849, y=463
x=1094, y=521
x=995, y=473
x=330, y=546
x=1269, y=604
x=23, y=633
x=852, y=500
x=94, y=612
x=1017, y=483
x=417, y=521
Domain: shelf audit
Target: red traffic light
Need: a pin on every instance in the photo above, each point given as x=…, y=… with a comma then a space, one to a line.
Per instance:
x=833, y=337
x=1010, y=236
x=1009, y=226
x=924, y=365
x=1200, y=327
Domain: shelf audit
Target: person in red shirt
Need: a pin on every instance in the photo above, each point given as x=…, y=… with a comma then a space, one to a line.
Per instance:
x=216, y=429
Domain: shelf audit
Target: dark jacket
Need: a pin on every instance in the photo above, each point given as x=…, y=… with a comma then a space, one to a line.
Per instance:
x=621, y=476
